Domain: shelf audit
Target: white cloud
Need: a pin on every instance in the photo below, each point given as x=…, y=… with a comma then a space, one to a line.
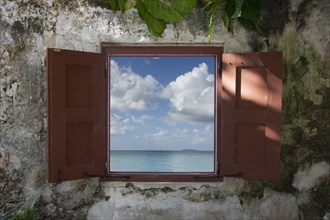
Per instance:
x=120, y=125
x=191, y=96
x=205, y=136
x=130, y=91
x=141, y=119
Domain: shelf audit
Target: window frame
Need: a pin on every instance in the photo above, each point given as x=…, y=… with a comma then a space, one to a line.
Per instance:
x=73, y=114
x=183, y=50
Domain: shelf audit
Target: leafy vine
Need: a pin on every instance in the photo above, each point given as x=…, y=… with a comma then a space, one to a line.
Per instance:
x=157, y=13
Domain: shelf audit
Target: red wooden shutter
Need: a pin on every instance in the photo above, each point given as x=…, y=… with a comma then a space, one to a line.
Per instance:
x=76, y=115
x=251, y=105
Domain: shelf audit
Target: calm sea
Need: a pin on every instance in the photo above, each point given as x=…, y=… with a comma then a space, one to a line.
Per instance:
x=161, y=161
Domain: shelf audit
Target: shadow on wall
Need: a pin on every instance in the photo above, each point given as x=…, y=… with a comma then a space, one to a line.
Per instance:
x=274, y=16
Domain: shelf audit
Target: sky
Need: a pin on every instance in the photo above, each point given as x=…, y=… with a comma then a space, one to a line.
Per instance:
x=162, y=103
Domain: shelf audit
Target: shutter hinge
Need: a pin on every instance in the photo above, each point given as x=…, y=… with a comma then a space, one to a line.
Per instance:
x=218, y=174
x=86, y=173
x=220, y=69
x=93, y=175
x=110, y=177
x=59, y=175
x=106, y=169
x=235, y=152
x=218, y=168
x=105, y=70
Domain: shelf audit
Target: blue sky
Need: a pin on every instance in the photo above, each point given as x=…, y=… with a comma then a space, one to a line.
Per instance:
x=164, y=103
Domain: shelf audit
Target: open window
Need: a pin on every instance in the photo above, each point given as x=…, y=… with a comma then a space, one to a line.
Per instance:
x=163, y=113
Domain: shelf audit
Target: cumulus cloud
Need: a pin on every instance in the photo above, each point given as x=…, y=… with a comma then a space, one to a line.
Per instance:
x=191, y=96
x=141, y=119
x=119, y=125
x=130, y=91
x=204, y=136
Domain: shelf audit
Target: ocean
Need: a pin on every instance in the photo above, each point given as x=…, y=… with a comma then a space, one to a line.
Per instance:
x=161, y=161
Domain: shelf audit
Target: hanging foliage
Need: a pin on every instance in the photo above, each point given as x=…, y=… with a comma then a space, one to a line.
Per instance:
x=157, y=13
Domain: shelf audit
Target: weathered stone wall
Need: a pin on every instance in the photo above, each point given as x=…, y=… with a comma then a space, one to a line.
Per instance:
x=300, y=28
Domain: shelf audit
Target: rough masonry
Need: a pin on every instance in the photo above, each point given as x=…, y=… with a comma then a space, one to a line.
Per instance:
x=299, y=28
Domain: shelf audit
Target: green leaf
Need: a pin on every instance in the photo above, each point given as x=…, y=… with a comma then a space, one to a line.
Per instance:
x=233, y=8
x=129, y=4
x=230, y=25
x=213, y=8
x=227, y=21
x=209, y=4
x=121, y=4
x=206, y=5
x=214, y=1
x=224, y=16
x=251, y=10
x=155, y=26
x=184, y=7
x=210, y=28
x=248, y=24
x=162, y=11
x=113, y=4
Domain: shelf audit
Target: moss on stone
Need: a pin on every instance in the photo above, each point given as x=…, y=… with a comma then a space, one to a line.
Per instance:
x=205, y=193
x=130, y=188
x=305, y=101
x=101, y=3
x=17, y=30
x=320, y=196
x=319, y=204
x=303, y=12
x=69, y=4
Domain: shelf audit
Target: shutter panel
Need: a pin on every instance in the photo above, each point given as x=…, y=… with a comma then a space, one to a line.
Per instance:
x=251, y=105
x=76, y=115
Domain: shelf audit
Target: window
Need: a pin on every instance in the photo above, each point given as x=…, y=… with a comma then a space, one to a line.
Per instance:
x=162, y=113
x=245, y=124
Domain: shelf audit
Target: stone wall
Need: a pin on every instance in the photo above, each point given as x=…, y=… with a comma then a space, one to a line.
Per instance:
x=300, y=28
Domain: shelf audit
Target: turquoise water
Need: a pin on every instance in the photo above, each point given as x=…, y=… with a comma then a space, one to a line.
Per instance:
x=161, y=161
